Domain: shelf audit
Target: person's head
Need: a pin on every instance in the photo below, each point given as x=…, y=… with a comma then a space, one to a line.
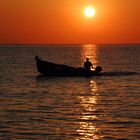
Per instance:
x=87, y=59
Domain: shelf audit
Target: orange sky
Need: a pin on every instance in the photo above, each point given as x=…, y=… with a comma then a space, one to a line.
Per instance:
x=63, y=22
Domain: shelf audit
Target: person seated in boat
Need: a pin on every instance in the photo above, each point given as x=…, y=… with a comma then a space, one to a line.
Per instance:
x=88, y=65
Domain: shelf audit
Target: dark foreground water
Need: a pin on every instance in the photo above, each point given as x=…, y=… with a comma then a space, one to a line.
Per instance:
x=64, y=108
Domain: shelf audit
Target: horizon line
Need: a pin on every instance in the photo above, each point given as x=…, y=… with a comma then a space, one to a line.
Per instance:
x=69, y=44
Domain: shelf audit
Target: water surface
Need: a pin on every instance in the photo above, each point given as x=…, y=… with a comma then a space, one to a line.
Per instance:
x=63, y=108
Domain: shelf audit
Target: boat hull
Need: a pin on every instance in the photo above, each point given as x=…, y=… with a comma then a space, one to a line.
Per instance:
x=51, y=69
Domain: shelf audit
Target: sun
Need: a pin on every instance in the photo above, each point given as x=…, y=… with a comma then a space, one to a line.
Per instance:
x=89, y=11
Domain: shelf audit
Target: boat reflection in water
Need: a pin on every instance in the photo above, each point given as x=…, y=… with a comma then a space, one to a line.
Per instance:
x=87, y=127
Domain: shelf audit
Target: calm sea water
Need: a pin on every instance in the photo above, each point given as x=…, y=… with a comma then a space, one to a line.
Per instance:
x=64, y=108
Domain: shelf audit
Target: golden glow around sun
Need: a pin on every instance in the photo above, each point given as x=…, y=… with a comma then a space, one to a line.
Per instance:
x=89, y=11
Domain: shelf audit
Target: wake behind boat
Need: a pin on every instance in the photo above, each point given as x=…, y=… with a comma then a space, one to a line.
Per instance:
x=52, y=69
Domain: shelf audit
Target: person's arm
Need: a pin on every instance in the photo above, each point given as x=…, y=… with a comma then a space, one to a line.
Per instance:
x=91, y=65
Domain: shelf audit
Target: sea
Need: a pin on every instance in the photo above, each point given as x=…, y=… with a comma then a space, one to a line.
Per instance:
x=35, y=107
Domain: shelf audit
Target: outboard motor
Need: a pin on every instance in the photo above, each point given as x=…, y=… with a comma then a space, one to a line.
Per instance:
x=98, y=69
x=36, y=57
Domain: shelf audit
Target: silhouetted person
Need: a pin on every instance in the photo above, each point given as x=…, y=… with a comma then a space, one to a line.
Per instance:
x=88, y=64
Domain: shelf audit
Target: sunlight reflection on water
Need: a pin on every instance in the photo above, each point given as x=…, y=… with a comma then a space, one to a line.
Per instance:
x=87, y=127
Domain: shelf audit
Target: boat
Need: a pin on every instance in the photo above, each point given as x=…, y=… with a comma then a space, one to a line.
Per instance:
x=52, y=69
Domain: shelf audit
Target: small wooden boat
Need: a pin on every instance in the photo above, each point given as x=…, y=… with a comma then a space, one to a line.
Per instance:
x=51, y=69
